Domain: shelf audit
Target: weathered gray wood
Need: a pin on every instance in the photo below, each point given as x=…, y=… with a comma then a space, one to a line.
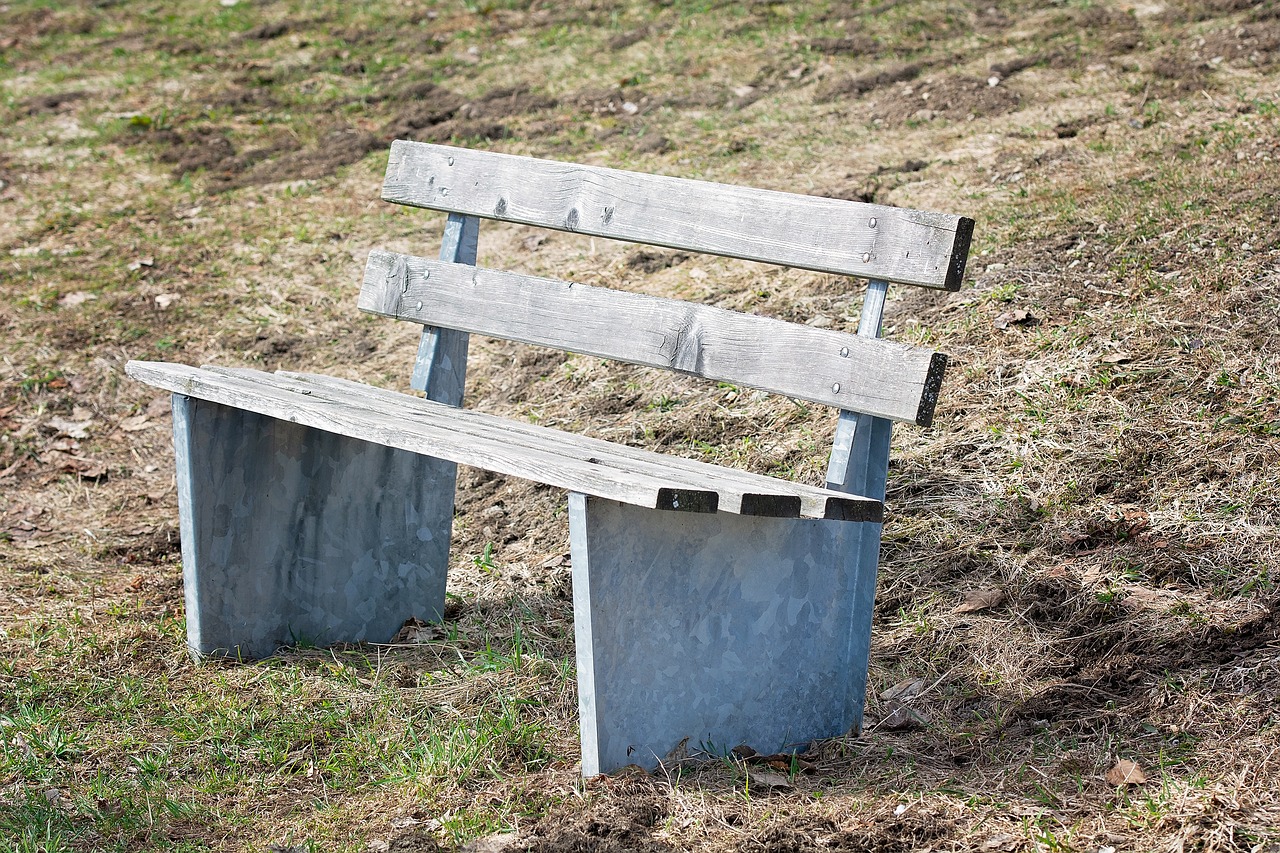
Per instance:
x=849, y=372
x=739, y=492
x=718, y=629
x=440, y=371
x=828, y=235
x=429, y=428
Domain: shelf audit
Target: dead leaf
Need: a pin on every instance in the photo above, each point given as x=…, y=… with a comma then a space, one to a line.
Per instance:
x=904, y=689
x=490, y=843
x=901, y=719
x=786, y=762
x=1016, y=317
x=79, y=297
x=976, y=600
x=414, y=630
x=137, y=423
x=1116, y=358
x=68, y=463
x=1125, y=772
x=531, y=243
x=164, y=300
x=142, y=262
x=768, y=779
x=71, y=429
x=159, y=406
x=678, y=754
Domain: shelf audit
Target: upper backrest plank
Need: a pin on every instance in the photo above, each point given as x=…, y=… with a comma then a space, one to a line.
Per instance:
x=859, y=374
x=808, y=232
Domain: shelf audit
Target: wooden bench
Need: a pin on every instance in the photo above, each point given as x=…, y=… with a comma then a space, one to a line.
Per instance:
x=709, y=603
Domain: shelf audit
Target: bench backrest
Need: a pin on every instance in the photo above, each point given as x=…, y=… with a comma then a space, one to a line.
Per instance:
x=855, y=373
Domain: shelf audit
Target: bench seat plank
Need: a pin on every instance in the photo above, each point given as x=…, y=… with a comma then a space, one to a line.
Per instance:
x=508, y=447
x=740, y=491
x=808, y=232
x=852, y=373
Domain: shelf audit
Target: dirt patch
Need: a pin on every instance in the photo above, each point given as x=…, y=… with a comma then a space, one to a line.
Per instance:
x=266, y=32
x=625, y=820
x=426, y=105
x=145, y=546
x=24, y=24
x=650, y=260
x=623, y=101
x=1176, y=73
x=211, y=151
x=506, y=102
x=51, y=103
x=881, y=832
x=1253, y=45
x=852, y=87
x=242, y=98
x=842, y=45
x=339, y=147
x=624, y=40
x=435, y=114
x=956, y=98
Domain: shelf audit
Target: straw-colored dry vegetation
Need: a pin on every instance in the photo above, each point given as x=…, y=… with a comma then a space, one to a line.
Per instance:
x=1080, y=566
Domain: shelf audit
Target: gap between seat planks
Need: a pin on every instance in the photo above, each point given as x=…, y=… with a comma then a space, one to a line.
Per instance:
x=712, y=606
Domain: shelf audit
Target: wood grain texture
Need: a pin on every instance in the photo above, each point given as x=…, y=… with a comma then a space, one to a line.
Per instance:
x=740, y=491
x=808, y=232
x=849, y=372
x=485, y=441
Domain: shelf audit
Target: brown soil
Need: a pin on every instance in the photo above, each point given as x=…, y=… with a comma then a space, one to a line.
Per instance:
x=957, y=98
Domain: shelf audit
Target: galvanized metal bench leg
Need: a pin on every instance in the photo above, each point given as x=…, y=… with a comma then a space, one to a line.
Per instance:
x=293, y=535
x=719, y=628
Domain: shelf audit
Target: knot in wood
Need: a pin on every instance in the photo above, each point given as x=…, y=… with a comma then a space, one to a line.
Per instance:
x=686, y=353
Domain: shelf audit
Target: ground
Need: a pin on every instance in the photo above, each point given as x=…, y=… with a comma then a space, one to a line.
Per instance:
x=1080, y=560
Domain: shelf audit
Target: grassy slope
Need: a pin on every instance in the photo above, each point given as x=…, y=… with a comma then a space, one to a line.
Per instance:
x=199, y=182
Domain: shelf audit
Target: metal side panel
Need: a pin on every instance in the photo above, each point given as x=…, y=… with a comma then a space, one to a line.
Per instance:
x=719, y=628
x=292, y=535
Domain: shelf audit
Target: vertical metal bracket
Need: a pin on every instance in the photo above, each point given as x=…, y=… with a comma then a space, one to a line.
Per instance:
x=441, y=367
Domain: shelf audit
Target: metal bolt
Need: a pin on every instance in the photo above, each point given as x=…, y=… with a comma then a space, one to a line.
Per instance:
x=675, y=503
x=844, y=352
x=419, y=305
x=450, y=161
x=866, y=257
x=835, y=389
x=426, y=273
x=872, y=223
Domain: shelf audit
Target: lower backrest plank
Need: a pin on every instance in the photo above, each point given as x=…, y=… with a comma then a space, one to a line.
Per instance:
x=882, y=378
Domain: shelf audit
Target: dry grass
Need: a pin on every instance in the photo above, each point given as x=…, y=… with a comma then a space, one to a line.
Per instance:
x=199, y=183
